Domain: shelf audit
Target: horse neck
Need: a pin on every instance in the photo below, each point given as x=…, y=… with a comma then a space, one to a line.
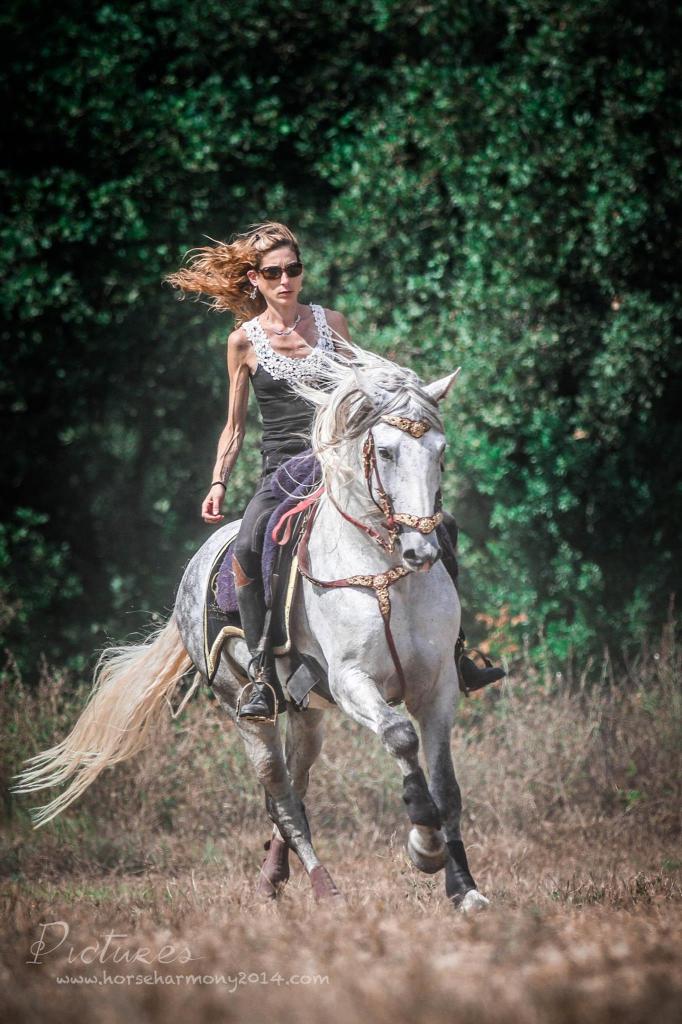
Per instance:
x=349, y=489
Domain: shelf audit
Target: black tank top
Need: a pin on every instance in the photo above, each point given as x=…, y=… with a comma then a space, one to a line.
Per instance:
x=286, y=416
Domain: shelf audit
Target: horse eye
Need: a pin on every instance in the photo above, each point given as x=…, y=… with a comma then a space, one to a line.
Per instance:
x=385, y=453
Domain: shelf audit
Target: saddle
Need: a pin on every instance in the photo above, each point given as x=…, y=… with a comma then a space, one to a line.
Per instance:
x=296, y=483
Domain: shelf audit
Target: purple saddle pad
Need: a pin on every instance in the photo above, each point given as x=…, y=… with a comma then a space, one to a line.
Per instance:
x=291, y=482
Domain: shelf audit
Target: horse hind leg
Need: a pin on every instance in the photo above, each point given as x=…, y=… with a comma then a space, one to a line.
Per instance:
x=285, y=807
x=283, y=804
x=303, y=744
x=321, y=881
x=305, y=734
x=274, y=872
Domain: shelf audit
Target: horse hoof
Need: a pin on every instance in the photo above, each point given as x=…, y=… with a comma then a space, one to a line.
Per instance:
x=266, y=896
x=426, y=849
x=324, y=886
x=471, y=902
x=274, y=872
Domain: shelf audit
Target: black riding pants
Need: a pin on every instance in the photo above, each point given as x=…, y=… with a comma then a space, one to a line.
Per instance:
x=248, y=546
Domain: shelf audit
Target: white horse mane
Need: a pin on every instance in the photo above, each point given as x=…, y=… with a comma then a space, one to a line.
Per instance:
x=354, y=389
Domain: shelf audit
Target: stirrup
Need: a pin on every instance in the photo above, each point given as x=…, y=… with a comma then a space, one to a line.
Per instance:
x=467, y=690
x=258, y=718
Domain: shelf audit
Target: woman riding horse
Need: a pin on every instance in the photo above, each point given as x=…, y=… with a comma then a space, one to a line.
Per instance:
x=277, y=339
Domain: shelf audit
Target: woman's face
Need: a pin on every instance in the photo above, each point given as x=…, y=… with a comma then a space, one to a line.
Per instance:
x=284, y=289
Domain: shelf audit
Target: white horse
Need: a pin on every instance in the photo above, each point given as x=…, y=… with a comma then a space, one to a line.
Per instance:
x=375, y=611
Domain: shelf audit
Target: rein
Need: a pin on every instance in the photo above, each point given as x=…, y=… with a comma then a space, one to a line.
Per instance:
x=379, y=583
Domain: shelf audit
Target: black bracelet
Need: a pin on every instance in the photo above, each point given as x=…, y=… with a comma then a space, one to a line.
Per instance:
x=221, y=482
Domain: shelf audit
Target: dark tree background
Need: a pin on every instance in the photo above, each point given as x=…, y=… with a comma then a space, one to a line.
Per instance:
x=494, y=185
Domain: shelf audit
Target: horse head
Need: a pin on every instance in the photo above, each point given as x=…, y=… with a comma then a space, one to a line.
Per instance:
x=402, y=461
x=379, y=436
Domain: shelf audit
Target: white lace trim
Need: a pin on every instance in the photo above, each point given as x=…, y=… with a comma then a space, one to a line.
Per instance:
x=285, y=367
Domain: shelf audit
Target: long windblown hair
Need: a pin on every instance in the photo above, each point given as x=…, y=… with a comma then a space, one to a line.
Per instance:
x=354, y=389
x=219, y=270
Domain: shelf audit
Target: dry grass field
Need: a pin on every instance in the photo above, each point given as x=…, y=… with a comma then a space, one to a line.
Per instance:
x=143, y=893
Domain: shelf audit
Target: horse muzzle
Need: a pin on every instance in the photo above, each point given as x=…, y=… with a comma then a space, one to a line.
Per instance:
x=419, y=553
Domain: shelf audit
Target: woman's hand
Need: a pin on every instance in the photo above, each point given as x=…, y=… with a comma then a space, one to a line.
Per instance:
x=210, y=510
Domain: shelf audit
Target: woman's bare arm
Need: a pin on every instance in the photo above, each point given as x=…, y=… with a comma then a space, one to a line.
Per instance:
x=232, y=436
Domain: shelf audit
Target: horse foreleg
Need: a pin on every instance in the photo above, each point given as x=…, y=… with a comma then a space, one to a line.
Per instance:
x=358, y=695
x=435, y=723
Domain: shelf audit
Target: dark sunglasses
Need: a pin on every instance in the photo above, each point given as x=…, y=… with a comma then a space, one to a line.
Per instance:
x=274, y=273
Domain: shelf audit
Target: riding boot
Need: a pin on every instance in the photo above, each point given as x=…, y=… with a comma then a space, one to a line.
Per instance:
x=471, y=677
x=261, y=669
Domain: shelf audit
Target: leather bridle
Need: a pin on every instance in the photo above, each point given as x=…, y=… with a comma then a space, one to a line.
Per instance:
x=393, y=521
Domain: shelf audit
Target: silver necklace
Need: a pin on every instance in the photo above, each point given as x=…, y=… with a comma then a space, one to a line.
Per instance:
x=287, y=330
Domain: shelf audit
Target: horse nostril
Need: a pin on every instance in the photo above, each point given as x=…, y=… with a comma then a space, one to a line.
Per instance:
x=415, y=561
x=420, y=558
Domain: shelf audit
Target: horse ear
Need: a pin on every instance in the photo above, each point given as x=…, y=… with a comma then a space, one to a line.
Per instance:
x=366, y=387
x=439, y=388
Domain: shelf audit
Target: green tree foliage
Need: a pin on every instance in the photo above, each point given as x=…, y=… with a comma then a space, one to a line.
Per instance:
x=519, y=190
x=137, y=129
x=495, y=185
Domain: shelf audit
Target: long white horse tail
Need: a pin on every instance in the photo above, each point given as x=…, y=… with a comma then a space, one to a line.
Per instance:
x=132, y=686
